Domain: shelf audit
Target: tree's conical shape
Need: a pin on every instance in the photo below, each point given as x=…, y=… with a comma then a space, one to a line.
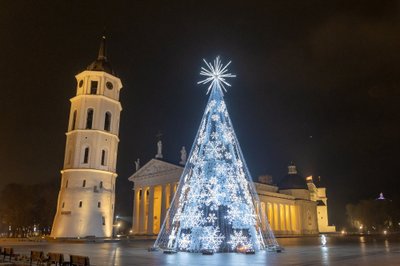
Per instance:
x=216, y=205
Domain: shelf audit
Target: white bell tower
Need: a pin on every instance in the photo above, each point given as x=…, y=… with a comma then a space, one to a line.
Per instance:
x=87, y=194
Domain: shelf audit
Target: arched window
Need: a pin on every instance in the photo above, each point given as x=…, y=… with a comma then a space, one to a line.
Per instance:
x=86, y=155
x=107, y=121
x=98, y=204
x=63, y=204
x=89, y=118
x=103, y=157
x=93, y=87
x=73, y=121
x=101, y=184
x=84, y=183
x=80, y=204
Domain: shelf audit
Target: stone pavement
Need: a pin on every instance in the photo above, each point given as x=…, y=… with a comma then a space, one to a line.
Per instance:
x=298, y=251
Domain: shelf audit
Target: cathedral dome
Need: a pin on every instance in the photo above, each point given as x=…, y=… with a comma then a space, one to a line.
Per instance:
x=101, y=63
x=292, y=180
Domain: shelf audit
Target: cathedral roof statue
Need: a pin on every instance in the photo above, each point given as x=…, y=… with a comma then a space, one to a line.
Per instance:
x=292, y=180
x=101, y=63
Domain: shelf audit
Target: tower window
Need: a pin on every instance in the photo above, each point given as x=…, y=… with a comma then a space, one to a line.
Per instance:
x=86, y=155
x=101, y=184
x=89, y=118
x=63, y=204
x=98, y=204
x=107, y=121
x=80, y=204
x=93, y=87
x=103, y=220
x=84, y=183
x=66, y=184
x=103, y=157
x=73, y=121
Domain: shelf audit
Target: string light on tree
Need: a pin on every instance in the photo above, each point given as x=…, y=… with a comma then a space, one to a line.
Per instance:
x=215, y=205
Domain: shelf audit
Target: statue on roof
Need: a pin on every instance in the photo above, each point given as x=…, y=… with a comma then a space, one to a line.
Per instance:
x=183, y=156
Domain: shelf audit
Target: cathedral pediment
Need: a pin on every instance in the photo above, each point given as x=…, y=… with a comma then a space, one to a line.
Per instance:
x=155, y=168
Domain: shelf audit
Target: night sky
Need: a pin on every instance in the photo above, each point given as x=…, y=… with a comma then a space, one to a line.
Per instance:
x=317, y=83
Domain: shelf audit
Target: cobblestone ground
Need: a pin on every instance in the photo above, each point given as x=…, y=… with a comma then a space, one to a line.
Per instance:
x=354, y=250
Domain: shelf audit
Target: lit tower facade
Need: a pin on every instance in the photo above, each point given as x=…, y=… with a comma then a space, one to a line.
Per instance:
x=86, y=198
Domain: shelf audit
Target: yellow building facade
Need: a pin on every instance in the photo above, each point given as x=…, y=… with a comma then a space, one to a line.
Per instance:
x=292, y=207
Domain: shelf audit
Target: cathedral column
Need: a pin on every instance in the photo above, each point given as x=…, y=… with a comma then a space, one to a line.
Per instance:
x=142, y=215
x=171, y=193
x=289, y=219
x=163, y=203
x=136, y=208
x=278, y=218
x=150, y=219
x=270, y=210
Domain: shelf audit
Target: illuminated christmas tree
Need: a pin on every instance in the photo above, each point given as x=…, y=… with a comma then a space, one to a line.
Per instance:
x=215, y=207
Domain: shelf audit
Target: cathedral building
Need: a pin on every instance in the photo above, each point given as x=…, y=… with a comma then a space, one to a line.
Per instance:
x=295, y=206
x=87, y=194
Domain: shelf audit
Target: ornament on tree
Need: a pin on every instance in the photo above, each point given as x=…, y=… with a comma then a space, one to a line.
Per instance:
x=216, y=206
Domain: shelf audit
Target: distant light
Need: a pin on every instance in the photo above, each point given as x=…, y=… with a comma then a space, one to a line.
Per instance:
x=343, y=232
x=130, y=231
x=361, y=227
x=119, y=224
x=323, y=240
x=384, y=232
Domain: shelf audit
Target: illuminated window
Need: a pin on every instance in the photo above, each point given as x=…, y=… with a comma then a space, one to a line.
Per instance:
x=103, y=157
x=107, y=121
x=86, y=155
x=98, y=204
x=73, y=120
x=93, y=87
x=84, y=183
x=89, y=118
x=80, y=204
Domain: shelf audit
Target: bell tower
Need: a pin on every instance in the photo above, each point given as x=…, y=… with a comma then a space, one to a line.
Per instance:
x=87, y=194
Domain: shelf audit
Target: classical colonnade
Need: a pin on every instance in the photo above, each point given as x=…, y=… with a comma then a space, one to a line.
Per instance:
x=150, y=207
x=283, y=218
x=152, y=202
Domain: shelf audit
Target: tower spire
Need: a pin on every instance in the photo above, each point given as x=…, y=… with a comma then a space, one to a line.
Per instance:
x=102, y=50
x=101, y=63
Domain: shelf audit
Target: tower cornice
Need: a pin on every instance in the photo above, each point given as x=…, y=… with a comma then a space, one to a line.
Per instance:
x=96, y=96
x=92, y=130
x=67, y=170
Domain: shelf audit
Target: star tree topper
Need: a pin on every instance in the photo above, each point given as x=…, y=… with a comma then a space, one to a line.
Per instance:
x=216, y=74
